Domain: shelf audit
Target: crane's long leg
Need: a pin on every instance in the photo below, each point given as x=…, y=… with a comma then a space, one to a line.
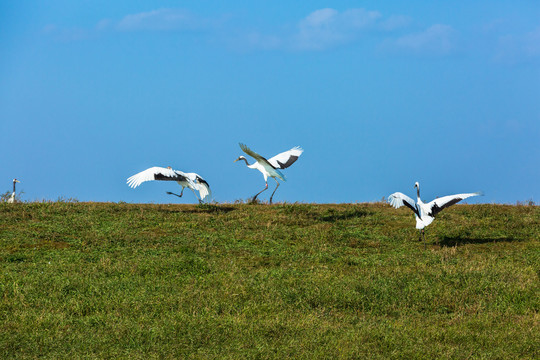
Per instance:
x=424, y=236
x=255, y=197
x=274, y=191
x=171, y=193
x=200, y=201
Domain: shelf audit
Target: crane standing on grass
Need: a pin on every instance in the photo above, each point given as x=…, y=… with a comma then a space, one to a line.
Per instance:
x=425, y=213
x=11, y=199
x=185, y=180
x=270, y=167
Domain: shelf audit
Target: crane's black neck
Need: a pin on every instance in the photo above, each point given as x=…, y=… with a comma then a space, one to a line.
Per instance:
x=14, y=186
x=243, y=158
x=418, y=192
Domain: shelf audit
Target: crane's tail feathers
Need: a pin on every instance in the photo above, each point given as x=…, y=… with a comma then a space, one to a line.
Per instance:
x=280, y=175
x=204, y=190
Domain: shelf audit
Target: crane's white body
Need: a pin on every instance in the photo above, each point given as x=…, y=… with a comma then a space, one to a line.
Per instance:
x=424, y=219
x=270, y=167
x=267, y=171
x=425, y=213
x=11, y=199
x=186, y=180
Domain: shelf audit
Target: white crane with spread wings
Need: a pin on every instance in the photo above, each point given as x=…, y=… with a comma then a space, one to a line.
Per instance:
x=271, y=167
x=425, y=213
x=185, y=180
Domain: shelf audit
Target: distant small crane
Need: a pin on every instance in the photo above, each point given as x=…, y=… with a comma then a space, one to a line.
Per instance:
x=270, y=167
x=190, y=180
x=11, y=199
x=425, y=213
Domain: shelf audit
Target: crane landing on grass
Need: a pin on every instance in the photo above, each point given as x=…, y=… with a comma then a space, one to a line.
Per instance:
x=425, y=213
x=271, y=167
x=185, y=180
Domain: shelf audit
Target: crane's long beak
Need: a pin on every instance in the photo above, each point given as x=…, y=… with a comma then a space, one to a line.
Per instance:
x=17, y=181
x=236, y=160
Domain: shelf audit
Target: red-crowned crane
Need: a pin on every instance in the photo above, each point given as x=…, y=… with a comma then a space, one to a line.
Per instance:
x=425, y=213
x=271, y=167
x=185, y=180
x=11, y=199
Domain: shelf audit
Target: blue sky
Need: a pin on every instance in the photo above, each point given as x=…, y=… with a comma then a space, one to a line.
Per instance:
x=379, y=95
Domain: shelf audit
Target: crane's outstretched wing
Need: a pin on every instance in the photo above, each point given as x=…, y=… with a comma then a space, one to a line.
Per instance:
x=253, y=154
x=286, y=158
x=437, y=205
x=202, y=187
x=398, y=199
x=157, y=173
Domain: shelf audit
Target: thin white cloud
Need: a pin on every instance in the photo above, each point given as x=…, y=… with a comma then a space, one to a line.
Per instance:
x=438, y=39
x=359, y=18
x=155, y=20
x=161, y=20
x=518, y=48
x=319, y=18
x=104, y=24
x=532, y=43
x=328, y=27
x=320, y=30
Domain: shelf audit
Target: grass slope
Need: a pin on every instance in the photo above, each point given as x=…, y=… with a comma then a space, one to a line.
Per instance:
x=93, y=280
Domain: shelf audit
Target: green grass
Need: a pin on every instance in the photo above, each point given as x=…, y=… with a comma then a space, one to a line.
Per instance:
x=93, y=280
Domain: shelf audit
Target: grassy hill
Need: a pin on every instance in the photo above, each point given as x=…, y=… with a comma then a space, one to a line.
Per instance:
x=106, y=280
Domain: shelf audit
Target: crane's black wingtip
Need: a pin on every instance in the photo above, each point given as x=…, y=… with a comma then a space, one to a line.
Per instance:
x=243, y=147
